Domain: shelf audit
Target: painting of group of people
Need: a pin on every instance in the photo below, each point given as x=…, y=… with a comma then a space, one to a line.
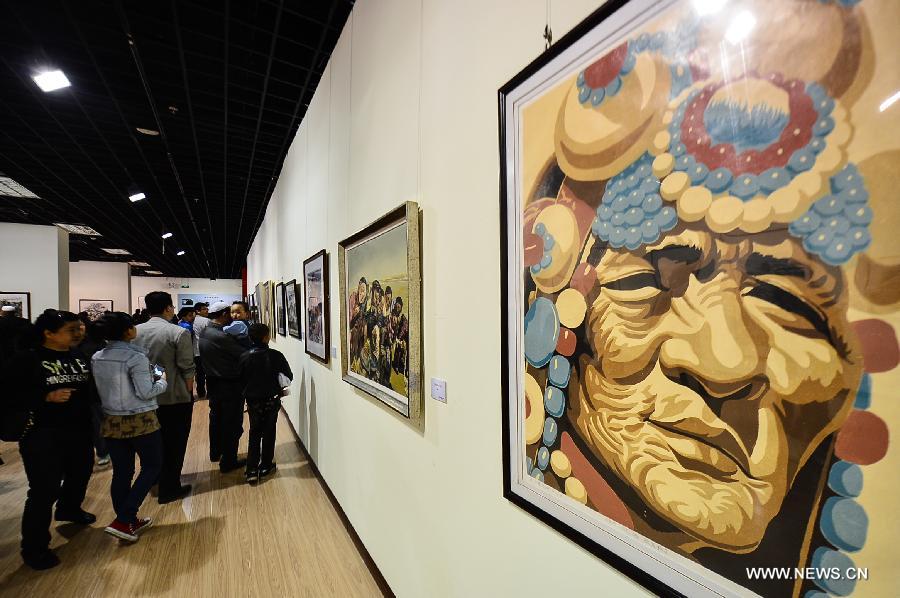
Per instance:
x=379, y=335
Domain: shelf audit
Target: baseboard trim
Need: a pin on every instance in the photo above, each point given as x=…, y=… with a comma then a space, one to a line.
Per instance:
x=380, y=581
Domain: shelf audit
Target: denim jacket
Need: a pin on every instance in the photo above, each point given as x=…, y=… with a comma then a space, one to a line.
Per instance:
x=124, y=380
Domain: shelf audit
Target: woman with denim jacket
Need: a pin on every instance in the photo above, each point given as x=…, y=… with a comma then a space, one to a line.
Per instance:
x=128, y=386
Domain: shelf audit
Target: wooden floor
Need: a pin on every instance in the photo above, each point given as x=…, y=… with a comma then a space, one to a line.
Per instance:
x=281, y=538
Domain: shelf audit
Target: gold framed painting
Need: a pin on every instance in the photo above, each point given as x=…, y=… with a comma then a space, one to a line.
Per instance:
x=700, y=296
x=381, y=319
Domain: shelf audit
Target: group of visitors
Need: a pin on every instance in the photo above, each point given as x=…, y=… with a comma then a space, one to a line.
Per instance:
x=126, y=389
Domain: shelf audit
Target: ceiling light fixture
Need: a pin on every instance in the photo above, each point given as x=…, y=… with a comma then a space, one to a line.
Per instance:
x=51, y=80
x=11, y=188
x=150, y=132
x=140, y=264
x=136, y=197
x=78, y=229
x=115, y=251
x=152, y=272
x=889, y=102
x=740, y=27
x=166, y=235
x=180, y=252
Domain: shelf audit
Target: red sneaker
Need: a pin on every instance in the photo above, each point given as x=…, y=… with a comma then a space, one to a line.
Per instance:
x=142, y=524
x=123, y=531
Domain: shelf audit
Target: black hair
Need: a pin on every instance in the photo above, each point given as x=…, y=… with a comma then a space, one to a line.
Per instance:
x=399, y=301
x=362, y=280
x=51, y=321
x=388, y=290
x=200, y=305
x=157, y=302
x=258, y=332
x=243, y=304
x=84, y=317
x=114, y=324
x=185, y=311
x=376, y=286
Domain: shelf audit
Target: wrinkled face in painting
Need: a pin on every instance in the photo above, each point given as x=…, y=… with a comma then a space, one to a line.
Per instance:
x=723, y=361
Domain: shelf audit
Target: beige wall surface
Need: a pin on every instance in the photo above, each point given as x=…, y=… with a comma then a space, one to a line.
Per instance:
x=35, y=259
x=100, y=280
x=407, y=110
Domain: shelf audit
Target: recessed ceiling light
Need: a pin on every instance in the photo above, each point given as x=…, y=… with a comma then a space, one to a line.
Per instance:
x=180, y=252
x=141, y=264
x=166, y=235
x=150, y=132
x=152, y=272
x=115, y=251
x=136, y=197
x=11, y=188
x=51, y=80
x=78, y=229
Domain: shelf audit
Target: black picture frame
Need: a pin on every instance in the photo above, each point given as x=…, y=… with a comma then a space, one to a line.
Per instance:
x=26, y=304
x=291, y=288
x=623, y=565
x=280, y=319
x=321, y=353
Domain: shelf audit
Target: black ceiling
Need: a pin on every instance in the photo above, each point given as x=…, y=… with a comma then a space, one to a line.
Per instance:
x=225, y=82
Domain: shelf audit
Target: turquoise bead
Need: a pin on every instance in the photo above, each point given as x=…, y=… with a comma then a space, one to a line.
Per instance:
x=551, y=430
x=543, y=458
x=554, y=401
x=846, y=478
x=844, y=523
x=826, y=558
x=541, y=332
x=559, y=371
x=864, y=394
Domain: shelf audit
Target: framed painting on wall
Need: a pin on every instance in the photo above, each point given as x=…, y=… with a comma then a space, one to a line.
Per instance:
x=265, y=305
x=381, y=323
x=698, y=216
x=95, y=308
x=19, y=300
x=318, y=322
x=279, y=309
x=291, y=309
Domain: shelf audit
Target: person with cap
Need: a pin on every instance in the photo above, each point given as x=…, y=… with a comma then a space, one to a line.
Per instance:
x=220, y=352
x=201, y=321
x=169, y=346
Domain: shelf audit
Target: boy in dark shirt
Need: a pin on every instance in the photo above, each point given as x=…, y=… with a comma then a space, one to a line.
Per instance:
x=264, y=374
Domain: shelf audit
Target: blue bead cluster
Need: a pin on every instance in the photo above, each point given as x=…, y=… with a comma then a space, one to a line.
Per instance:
x=843, y=521
x=747, y=186
x=595, y=97
x=632, y=212
x=558, y=373
x=844, y=3
x=836, y=226
x=674, y=46
x=549, y=242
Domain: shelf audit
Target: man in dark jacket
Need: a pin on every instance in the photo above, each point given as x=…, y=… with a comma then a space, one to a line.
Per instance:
x=220, y=352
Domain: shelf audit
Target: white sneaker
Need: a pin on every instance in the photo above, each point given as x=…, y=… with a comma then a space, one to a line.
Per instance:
x=103, y=461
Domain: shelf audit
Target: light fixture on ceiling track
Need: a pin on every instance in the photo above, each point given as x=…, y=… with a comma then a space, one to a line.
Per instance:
x=51, y=80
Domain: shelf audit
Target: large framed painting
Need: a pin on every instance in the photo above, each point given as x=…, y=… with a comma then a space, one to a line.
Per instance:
x=95, y=308
x=20, y=300
x=381, y=324
x=700, y=293
x=281, y=320
x=291, y=309
x=318, y=322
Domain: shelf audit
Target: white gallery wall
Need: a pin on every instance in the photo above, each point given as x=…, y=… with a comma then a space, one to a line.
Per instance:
x=100, y=280
x=407, y=110
x=35, y=259
x=141, y=285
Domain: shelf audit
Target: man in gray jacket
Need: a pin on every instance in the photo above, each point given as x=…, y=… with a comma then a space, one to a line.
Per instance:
x=170, y=347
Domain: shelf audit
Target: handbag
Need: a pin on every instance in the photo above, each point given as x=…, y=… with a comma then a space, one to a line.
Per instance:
x=16, y=425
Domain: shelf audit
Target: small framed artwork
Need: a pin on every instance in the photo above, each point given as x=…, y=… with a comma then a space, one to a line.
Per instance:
x=291, y=309
x=698, y=219
x=318, y=327
x=279, y=309
x=21, y=301
x=95, y=307
x=381, y=298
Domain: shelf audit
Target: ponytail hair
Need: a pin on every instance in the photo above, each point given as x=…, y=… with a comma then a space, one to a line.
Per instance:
x=113, y=325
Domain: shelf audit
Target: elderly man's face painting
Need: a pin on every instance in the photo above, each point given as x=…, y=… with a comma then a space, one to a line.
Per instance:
x=721, y=362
